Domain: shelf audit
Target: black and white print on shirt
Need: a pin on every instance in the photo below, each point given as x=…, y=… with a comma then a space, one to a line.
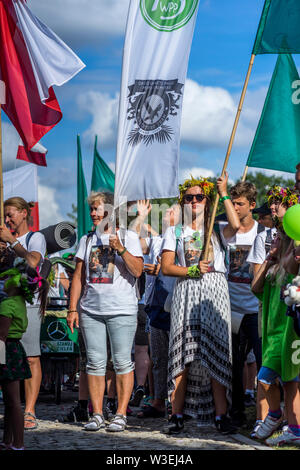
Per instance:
x=102, y=264
x=239, y=268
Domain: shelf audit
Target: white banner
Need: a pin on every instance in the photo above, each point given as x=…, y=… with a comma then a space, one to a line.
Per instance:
x=22, y=182
x=2, y=92
x=157, y=45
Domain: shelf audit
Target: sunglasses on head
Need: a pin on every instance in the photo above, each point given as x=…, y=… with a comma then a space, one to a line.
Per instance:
x=190, y=197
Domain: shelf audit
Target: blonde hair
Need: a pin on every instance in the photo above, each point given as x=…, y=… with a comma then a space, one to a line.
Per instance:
x=20, y=204
x=277, y=272
x=105, y=197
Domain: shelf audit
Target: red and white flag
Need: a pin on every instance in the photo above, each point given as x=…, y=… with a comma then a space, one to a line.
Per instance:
x=23, y=182
x=32, y=59
x=36, y=155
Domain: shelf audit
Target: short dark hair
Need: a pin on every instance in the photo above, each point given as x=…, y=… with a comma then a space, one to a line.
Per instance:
x=246, y=189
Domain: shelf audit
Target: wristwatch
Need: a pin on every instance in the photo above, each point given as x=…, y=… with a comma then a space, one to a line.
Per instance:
x=12, y=245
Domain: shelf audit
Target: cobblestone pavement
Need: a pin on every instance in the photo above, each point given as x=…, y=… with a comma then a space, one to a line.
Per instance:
x=141, y=434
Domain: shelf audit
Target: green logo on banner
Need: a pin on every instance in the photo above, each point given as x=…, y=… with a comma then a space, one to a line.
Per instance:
x=166, y=15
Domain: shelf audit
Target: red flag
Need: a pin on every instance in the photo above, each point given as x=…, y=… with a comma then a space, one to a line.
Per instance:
x=32, y=59
x=36, y=155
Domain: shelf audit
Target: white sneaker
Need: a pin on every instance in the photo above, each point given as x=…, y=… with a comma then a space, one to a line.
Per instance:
x=257, y=425
x=286, y=437
x=267, y=428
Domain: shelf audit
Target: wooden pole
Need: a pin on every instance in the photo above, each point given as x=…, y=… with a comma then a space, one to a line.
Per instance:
x=245, y=173
x=1, y=177
x=237, y=118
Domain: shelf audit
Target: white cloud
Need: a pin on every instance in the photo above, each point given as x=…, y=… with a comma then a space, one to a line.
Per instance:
x=185, y=173
x=49, y=211
x=104, y=111
x=208, y=115
x=83, y=22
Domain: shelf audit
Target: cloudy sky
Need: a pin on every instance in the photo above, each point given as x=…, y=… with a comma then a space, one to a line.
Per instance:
x=220, y=54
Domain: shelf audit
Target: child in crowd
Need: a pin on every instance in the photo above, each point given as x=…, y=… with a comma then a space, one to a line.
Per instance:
x=18, y=283
x=278, y=337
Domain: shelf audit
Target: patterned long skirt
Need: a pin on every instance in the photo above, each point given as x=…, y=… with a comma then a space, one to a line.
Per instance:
x=200, y=338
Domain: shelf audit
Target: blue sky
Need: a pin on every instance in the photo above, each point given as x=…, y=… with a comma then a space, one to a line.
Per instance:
x=220, y=54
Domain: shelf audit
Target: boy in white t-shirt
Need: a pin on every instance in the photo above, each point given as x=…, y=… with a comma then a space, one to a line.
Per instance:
x=244, y=305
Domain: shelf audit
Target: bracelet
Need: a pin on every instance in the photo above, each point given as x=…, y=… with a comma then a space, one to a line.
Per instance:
x=194, y=271
x=16, y=242
x=222, y=199
x=122, y=252
x=71, y=311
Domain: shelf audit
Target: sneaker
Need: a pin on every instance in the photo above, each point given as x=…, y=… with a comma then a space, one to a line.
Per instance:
x=249, y=400
x=286, y=437
x=256, y=427
x=225, y=426
x=175, y=425
x=110, y=410
x=76, y=415
x=137, y=396
x=95, y=423
x=268, y=426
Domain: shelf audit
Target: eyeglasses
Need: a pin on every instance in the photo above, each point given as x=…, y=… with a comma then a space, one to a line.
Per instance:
x=190, y=197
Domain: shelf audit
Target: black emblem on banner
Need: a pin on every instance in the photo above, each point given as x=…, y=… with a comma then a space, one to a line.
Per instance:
x=152, y=102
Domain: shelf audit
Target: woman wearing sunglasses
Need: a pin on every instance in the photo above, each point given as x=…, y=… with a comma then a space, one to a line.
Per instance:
x=199, y=363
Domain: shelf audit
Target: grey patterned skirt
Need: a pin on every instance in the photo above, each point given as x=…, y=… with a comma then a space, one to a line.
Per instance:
x=200, y=337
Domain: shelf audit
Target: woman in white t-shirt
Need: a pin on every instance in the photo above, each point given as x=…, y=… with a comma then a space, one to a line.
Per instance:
x=17, y=216
x=107, y=266
x=199, y=365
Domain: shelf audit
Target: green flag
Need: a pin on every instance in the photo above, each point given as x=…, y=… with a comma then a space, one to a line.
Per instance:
x=83, y=213
x=279, y=28
x=103, y=179
x=276, y=145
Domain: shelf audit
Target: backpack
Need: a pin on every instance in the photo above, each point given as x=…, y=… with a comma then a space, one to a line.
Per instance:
x=163, y=287
x=45, y=267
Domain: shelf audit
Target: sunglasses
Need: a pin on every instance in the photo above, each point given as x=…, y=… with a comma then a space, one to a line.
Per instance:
x=190, y=197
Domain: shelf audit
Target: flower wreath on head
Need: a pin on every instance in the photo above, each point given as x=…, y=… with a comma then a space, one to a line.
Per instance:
x=206, y=186
x=285, y=195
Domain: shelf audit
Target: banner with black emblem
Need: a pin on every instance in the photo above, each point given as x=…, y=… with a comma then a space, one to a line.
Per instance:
x=157, y=46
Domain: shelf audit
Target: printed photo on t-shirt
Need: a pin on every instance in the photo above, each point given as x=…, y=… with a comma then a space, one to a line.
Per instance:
x=239, y=269
x=102, y=264
x=193, y=246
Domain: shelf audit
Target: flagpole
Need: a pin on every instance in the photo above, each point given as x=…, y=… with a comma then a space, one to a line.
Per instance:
x=245, y=173
x=1, y=176
x=237, y=118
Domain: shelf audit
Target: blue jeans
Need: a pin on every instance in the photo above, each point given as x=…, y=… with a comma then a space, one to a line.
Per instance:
x=121, y=331
x=268, y=376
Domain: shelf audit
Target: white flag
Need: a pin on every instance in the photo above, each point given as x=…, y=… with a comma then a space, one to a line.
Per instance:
x=157, y=45
x=2, y=92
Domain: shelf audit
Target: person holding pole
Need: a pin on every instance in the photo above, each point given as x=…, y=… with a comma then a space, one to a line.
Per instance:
x=199, y=362
x=244, y=305
x=17, y=217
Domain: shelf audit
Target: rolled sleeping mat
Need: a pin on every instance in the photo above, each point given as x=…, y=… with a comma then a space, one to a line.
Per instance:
x=59, y=236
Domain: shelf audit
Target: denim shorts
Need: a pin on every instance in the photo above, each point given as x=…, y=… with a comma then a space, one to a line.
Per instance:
x=269, y=376
x=119, y=330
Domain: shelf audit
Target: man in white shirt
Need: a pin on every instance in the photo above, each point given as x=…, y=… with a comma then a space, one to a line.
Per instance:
x=244, y=305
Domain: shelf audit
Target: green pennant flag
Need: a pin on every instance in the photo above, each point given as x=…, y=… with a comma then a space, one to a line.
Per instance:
x=276, y=145
x=103, y=179
x=279, y=28
x=83, y=212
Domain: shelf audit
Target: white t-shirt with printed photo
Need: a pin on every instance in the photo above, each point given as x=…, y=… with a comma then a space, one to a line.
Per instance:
x=190, y=246
x=259, y=250
x=239, y=271
x=110, y=287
